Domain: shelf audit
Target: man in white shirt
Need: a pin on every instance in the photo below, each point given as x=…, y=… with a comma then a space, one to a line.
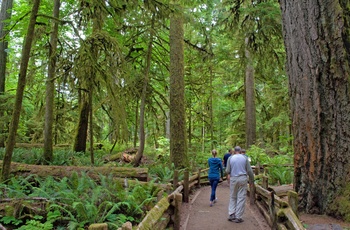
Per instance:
x=238, y=169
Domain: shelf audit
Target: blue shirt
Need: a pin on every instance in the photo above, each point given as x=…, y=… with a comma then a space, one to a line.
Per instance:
x=226, y=156
x=215, y=168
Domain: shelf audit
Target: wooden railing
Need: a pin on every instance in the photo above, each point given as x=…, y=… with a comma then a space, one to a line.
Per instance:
x=279, y=212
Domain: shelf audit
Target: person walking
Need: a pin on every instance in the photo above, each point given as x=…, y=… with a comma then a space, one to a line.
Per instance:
x=226, y=156
x=244, y=153
x=215, y=170
x=238, y=169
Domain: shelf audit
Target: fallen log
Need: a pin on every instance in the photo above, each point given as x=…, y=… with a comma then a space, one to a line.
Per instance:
x=19, y=169
x=154, y=215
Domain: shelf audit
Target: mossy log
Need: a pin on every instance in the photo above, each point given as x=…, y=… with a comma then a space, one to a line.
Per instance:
x=154, y=215
x=121, y=155
x=163, y=222
x=281, y=227
x=19, y=169
x=22, y=208
x=292, y=220
x=102, y=226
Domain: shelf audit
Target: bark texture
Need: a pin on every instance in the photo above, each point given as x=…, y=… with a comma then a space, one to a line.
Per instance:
x=250, y=115
x=81, y=135
x=178, y=143
x=316, y=36
x=11, y=140
x=6, y=9
x=50, y=88
x=146, y=80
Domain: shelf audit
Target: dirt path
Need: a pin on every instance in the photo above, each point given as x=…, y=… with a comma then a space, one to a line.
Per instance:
x=198, y=215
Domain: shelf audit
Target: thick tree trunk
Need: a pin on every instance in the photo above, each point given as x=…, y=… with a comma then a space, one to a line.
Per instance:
x=178, y=144
x=250, y=117
x=50, y=88
x=11, y=140
x=5, y=13
x=317, y=43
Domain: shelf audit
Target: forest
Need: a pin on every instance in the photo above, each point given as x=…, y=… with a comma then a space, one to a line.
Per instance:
x=81, y=81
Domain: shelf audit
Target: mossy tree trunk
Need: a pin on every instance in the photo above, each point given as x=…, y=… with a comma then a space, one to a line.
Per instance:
x=5, y=14
x=11, y=140
x=250, y=115
x=317, y=42
x=178, y=143
x=81, y=135
x=50, y=88
x=139, y=154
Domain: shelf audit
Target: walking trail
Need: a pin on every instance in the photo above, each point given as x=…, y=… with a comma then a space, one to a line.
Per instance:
x=198, y=215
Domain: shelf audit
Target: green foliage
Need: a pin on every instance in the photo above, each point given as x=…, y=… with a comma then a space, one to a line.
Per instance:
x=257, y=154
x=277, y=173
x=78, y=201
x=10, y=220
x=161, y=172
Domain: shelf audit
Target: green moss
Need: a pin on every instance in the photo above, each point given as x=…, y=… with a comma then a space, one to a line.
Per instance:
x=341, y=204
x=9, y=210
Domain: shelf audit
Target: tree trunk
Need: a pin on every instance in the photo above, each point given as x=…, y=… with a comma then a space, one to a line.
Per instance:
x=11, y=140
x=250, y=117
x=50, y=88
x=136, y=122
x=81, y=135
x=139, y=154
x=317, y=42
x=5, y=14
x=178, y=145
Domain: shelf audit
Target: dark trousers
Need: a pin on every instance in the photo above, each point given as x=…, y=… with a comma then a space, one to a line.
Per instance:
x=213, y=184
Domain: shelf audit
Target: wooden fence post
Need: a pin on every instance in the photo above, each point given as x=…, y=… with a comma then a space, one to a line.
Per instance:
x=293, y=201
x=273, y=211
x=177, y=211
x=257, y=169
x=199, y=178
x=265, y=182
x=252, y=193
x=176, y=179
x=186, y=186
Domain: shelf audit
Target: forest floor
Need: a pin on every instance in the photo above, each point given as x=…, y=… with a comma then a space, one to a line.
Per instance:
x=198, y=215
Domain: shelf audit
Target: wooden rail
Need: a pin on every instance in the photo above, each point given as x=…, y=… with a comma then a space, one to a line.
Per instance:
x=279, y=213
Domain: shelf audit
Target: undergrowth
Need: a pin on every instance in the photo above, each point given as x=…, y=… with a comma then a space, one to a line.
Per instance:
x=75, y=202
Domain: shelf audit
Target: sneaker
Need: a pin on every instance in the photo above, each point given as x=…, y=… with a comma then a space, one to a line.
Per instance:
x=211, y=204
x=238, y=220
x=231, y=217
x=215, y=200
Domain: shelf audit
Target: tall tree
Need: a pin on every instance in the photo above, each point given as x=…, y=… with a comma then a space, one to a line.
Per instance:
x=146, y=80
x=5, y=14
x=249, y=86
x=50, y=87
x=255, y=25
x=178, y=142
x=317, y=42
x=11, y=140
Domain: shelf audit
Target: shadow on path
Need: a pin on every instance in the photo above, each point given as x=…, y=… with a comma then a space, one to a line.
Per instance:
x=198, y=215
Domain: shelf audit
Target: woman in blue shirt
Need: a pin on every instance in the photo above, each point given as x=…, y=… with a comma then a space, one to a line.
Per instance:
x=215, y=170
